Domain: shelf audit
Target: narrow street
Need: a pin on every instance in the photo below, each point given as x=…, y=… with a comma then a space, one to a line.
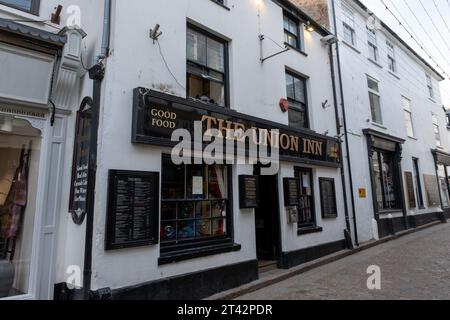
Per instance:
x=416, y=266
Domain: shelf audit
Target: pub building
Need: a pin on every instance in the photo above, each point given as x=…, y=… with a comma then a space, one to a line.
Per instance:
x=165, y=230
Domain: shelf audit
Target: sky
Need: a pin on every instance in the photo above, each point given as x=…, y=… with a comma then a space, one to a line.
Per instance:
x=429, y=22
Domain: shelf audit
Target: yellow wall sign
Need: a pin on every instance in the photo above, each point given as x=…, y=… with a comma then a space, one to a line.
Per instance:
x=362, y=193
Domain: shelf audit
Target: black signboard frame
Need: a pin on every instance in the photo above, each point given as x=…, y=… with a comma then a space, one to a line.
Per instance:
x=410, y=190
x=324, y=197
x=244, y=201
x=153, y=238
x=291, y=200
x=156, y=115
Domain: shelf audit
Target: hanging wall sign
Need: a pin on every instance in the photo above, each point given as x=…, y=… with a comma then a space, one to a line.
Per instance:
x=80, y=170
x=156, y=116
x=291, y=192
x=248, y=192
x=133, y=209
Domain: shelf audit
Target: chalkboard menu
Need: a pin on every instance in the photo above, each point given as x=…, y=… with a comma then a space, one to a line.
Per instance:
x=328, y=198
x=432, y=189
x=133, y=209
x=80, y=170
x=248, y=192
x=291, y=192
x=410, y=189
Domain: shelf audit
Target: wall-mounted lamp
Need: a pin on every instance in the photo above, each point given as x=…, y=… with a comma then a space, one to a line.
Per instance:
x=309, y=27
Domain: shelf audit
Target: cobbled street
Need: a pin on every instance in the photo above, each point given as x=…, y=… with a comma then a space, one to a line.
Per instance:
x=416, y=266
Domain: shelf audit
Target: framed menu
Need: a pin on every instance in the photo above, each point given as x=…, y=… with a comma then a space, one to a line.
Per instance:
x=410, y=189
x=291, y=192
x=248, y=192
x=328, y=198
x=133, y=209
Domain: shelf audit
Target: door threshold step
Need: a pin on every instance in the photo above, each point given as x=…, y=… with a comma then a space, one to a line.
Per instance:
x=266, y=266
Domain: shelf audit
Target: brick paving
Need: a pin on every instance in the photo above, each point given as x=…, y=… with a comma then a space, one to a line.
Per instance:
x=416, y=266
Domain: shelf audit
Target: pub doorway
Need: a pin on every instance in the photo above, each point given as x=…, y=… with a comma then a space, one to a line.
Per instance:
x=267, y=222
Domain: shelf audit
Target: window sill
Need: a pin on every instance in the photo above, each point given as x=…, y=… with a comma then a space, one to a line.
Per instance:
x=413, y=138
x=221, y=5
x=375, y=63
x=351, y=46
x=394, y=74
x=309, y=230
x=378, y=125
x=178, y=256
x=24, y=15
x=296, y=49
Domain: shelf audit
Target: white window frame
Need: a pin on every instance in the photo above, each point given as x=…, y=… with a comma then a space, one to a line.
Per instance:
x=430, y=86
x=372, y=44
x=437, y=130
x=348, y=23
x=391, y=57
x=406, y=104
x=377, y=93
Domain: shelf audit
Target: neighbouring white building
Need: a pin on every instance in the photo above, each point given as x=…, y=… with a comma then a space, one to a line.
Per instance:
x=397, y=127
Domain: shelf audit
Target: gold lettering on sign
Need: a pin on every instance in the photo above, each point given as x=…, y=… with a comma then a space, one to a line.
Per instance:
x=163, y=119
x=312, y=147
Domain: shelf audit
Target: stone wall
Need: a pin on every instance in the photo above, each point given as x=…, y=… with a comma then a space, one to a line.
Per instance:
x=317, y=9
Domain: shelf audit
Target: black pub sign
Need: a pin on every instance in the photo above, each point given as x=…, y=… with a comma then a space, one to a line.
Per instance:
x=156, y=116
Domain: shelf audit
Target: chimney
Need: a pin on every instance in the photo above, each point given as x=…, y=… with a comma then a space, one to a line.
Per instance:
x=316, y=9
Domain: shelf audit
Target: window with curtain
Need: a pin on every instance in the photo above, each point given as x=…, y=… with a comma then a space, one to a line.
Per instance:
x=306, y=209
x=31, y=6
x=206, y=67
x=195, y=203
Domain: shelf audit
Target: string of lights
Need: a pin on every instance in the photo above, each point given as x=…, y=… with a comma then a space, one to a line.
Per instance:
x=425, y=31
x=412, y=37
x=418, y=82
x=434, y=24
x=440, y=14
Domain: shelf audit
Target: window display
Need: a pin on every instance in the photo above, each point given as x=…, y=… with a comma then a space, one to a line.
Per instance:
x=20, y=150
x=384, y=173
x=194, y=202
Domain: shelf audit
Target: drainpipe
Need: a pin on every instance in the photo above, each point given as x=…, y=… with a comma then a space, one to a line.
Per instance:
x=96, y=73
x=341, y=157
x=355, y=225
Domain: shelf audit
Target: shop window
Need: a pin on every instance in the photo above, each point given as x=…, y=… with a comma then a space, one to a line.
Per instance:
x=206, y=67
x=31, y=6
x=292, y=34
x=195, y=204
x=386, y=182
x=20, y=147
x=443, y=185
x=306, y=209
x=298, y=107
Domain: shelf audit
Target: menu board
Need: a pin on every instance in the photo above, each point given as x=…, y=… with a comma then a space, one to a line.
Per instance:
x=80, y=171
x=432, y=189
x=291, y=192
x=133, y=209
x=410, y=189
x=248, y=192
x=328, y=198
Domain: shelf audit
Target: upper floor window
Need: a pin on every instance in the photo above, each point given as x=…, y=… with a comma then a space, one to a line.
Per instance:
x=408, y=117
x=292, y=31
x=430, y=86
x=30, y=6
x=348, y=19
x=392, y=63
x=372, y=42
x=298, y=107
x=437, y=131
x=206, y=67
x=374, y=97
